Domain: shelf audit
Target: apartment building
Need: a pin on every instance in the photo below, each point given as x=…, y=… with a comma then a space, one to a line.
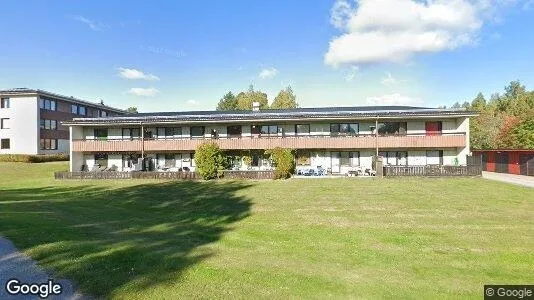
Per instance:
x=30, y=120
x=337, y=139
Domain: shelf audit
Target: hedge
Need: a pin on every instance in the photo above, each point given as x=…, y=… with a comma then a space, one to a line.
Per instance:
x=26, y=158
x=210, y=160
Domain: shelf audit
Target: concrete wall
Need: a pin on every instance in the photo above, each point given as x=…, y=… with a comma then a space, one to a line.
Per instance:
x=23, y=132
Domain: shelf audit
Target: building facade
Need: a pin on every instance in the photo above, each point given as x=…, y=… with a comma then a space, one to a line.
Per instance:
x=335, y=139
x=30, y=120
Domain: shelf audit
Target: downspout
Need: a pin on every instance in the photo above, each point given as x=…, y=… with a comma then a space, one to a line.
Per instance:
x=376, y=136
x=142, y=140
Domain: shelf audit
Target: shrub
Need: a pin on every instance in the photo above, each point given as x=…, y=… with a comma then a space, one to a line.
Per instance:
x=284, y=162
x=26, y=158
x=210, y=160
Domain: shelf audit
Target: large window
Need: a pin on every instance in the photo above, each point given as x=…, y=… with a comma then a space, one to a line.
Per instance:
x=302, y=129
x=388, y=128
x=101, y=133
x=234, y=131
x=303, y=158
x=394, y=158
x=169, y=132
x=103, y=113
x=433, y=128
x=4, y=123
x=4, y=103
x=131, y=133
x=82, y=110
x=351, y=159
x=78, y=109
x=101, y=159
x=198, y=131
x=47, y=103
x=269, y=129
x=74, y=109
x=5, y=144
x=48, y=144
x=48, y=124
x=434, y=157
x=129, y=160
x=344, y=129
x=170, y=160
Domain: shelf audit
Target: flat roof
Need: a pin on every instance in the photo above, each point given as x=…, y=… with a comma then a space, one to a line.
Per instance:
x=27, y=91
x=311, y=113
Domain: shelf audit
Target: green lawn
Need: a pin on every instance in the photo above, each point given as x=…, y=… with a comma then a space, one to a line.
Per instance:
x=358, y=238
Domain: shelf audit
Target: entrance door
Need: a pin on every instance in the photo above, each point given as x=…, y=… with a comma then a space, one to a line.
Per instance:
x=335, y=157
x=526, y=164
x=502, y=163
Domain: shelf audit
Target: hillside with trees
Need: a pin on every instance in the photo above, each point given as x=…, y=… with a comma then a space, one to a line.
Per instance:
x=506, y=121
x=243, y=101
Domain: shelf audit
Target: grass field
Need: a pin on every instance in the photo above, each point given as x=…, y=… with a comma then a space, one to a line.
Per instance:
x=405, y=238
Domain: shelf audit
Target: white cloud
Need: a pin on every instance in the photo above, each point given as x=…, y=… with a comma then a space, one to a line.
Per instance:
x=352, y=73
x=192, y=102
x=376, y=31
x=164, y=51
x=389, y=81
x=393, y=99
x=97, y=26
x=268, y=73
x=144, y=92
x=136, y=74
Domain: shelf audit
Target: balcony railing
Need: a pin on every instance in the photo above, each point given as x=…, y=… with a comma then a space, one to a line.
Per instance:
x=446, y=140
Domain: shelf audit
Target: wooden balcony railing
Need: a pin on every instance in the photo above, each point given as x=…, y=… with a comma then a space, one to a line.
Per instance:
x=270, y=142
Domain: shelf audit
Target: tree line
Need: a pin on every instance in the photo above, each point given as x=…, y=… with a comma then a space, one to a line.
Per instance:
x=505, y=121
x=243, y=101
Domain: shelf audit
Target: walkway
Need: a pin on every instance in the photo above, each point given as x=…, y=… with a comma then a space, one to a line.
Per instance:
x=14, y=264
x=510, y=178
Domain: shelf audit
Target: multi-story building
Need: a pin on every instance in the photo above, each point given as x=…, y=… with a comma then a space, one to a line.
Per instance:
x=30, y=120
x=337, y=139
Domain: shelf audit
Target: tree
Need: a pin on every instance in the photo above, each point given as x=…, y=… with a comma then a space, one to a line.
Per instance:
x=227, y=102
x=132, y=110
x=245, y=99
x=524, y=134
x=284, y=162
x=210, y=160
x=479, y=103
x=285, y=99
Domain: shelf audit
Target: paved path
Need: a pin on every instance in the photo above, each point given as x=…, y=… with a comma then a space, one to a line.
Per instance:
x=14, y=264
x=510, y=178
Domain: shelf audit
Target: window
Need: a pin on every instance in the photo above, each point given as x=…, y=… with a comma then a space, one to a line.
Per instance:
x=344, y=129
x=303, y=158
x=4, y=123
x=394, y=158
x=82, y=110
x=351, y=159
x=96, y=113
x=302, y=129
x=74, y=109
x=5, y=144
x=103, y=113
x=392, y=128
x=4, y=103
x=47, y=103
x=131, y=133
x=48, y=144
x=101, y=159
x=269, y=129
x=234, y=131
x=170, y=160
x=169, y=132
x=128, y=160
x=48, y=124
x=197, y=131
x=255, y=129
x=101, y=133
x=434, y=157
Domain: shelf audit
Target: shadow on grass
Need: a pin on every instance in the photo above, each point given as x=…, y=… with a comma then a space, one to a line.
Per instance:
x=131, y=238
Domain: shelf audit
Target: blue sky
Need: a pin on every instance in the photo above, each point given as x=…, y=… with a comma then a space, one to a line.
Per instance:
x=184, y=55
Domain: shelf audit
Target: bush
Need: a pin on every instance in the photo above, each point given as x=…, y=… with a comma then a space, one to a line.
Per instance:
x=284, y=162
x=210, y=160
x=26, y=158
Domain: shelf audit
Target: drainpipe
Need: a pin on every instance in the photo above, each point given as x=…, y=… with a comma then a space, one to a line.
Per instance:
x=376, y=135
x=142, y=140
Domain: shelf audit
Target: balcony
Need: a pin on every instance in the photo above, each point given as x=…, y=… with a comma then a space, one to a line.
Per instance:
x=296, y=142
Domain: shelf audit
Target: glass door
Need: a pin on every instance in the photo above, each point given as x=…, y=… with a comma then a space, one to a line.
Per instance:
x=335, y=158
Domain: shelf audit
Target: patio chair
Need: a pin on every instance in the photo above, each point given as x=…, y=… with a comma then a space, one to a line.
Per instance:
x=113, y=168
x=84, y=168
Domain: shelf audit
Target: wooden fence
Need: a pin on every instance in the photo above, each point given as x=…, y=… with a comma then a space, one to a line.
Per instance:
x=433, y=171
x=161, y=175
